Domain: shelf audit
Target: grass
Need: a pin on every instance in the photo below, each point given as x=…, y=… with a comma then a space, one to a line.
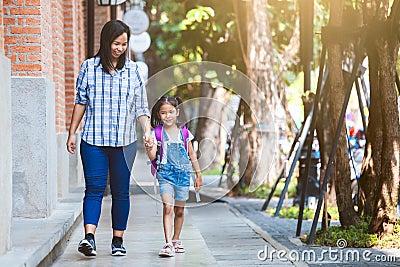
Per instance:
x=264, y=190
x=212, y=171
x=308, y=214
x=356, y=237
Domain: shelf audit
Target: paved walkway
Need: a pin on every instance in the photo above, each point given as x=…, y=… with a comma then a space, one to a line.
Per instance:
x=143, y=239
x=282, y=232
x=229, y=232
x=213, y=234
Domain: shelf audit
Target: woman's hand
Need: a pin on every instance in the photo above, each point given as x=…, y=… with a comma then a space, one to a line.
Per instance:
x=71, y=143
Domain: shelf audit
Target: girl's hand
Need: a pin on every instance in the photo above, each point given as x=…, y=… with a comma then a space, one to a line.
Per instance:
x=71, y=143
x=198, y=183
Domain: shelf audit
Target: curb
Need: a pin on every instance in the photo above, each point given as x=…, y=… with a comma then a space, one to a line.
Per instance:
x=39, y=242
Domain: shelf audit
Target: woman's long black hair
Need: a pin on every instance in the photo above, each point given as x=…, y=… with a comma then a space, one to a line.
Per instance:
x=155, y=119
x=110, y=31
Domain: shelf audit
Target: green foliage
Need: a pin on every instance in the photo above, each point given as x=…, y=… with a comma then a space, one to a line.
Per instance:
x=282, y=17
x=308, y=214
x=263, y=190
x=195, y=30
x=212, y=171
x=356, y=236
x=292, y=213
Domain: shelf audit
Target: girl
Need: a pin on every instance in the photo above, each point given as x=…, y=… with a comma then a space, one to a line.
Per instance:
x=173, y=171
x=111, y=93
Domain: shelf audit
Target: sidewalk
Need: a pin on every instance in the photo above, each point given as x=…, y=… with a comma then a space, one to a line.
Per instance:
x=280, y=233
x=213, y=234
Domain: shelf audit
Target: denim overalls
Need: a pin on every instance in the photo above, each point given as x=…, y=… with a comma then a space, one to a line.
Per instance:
x=174, y=174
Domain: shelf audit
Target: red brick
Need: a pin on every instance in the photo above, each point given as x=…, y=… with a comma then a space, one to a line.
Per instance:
x=9, y=2
x=19, y=49
x=24, y=11
x=32, y=39
x=34, y=57
x=9, y=21
x=13, y=58
x=10, y=39
x=26, y=67
x=32, y=2
x=32, y=21
x=25, y=30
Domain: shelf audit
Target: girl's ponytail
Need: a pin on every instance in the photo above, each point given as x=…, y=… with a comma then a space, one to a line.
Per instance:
x=182, y=116
x=178, y=100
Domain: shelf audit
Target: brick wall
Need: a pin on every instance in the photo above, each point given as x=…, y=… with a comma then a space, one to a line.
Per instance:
x=74, y=34
x=1, y=30
x=47, y=38
x=24, y=22
x=58, y=62
x=102, y=15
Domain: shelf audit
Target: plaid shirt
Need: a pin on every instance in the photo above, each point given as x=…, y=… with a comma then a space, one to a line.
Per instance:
x=113, y=103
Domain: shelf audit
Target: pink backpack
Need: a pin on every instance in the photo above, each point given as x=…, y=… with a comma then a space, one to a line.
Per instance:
x=159, y=137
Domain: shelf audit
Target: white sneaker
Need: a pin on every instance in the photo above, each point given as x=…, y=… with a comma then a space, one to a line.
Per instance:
x=167, y=251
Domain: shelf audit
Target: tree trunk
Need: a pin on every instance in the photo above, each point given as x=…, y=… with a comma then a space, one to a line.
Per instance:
x=371, y=168
x=347, y=214
x=260, y=69
x=324, y=135
x=381, y=165
x=211, y=104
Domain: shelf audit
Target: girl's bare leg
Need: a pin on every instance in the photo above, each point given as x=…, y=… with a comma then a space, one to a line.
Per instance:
x=179, y=210
x=168, y=211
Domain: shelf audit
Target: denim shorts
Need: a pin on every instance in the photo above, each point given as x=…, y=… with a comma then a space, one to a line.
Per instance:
x=178, y=192
x=174, y=180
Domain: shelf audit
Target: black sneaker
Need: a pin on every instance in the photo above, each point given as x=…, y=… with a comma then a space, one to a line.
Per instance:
x=117, y=248
x=87, y=247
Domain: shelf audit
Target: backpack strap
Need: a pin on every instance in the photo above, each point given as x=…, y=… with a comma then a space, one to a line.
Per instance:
x=158, y=132
x=157, y=161
x=185, y=133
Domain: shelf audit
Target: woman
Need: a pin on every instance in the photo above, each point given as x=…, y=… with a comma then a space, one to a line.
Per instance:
x=112, y=94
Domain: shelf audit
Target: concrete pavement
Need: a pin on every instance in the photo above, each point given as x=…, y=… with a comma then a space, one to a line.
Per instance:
x=213, y=233
x=227, y=232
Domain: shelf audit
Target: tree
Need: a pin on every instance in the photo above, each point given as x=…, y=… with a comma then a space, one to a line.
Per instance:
x=344, y=201
x=193, y=31
x=380, y=176
x=259, y=60
x=266, y=63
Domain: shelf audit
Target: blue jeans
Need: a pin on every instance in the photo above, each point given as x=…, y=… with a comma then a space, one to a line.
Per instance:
x=97, y=162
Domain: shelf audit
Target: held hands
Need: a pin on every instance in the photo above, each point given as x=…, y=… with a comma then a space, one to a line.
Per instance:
x=148, y=141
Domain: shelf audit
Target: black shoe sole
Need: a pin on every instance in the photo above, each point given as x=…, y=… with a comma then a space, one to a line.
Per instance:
x=87, y=250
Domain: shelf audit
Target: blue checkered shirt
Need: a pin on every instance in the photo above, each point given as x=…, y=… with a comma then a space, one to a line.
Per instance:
x=113, y=103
